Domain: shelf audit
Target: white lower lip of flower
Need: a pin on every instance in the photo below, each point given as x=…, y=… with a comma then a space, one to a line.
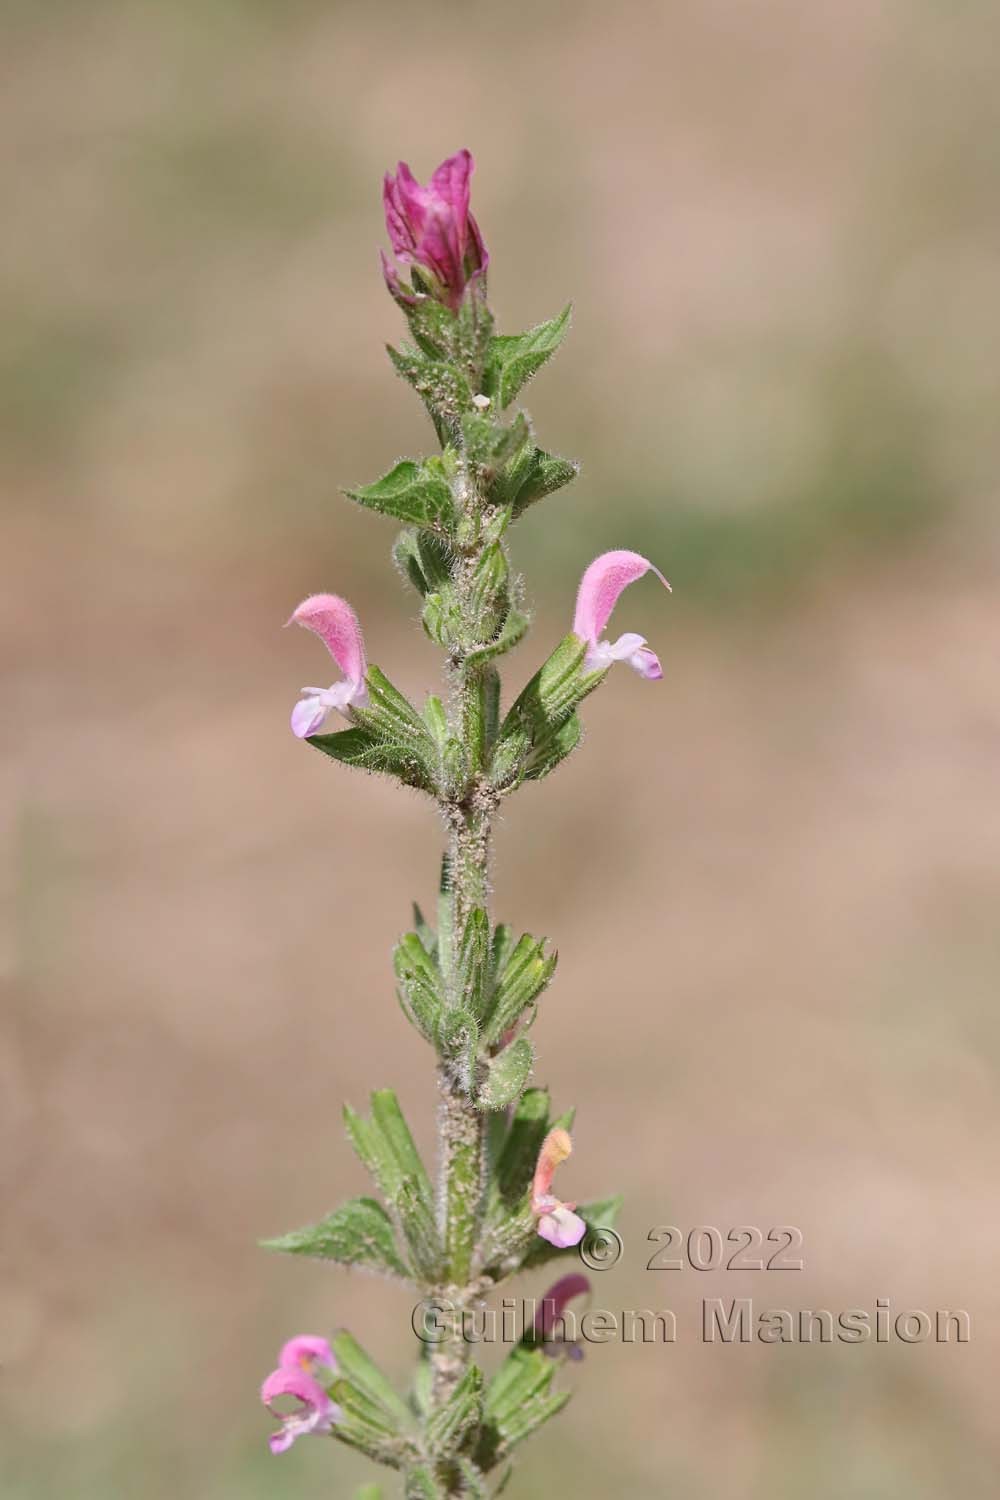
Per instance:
x=599, y=657
x=604, y=654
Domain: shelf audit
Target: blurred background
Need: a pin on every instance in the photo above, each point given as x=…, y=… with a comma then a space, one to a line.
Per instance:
x=773, y=878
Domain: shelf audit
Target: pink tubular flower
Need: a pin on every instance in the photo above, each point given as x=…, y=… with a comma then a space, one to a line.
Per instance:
x=600, y=588
x=549, y=1318
x=432, y=227
x=557, y=1222
x=336, y=624
x=303, y=1364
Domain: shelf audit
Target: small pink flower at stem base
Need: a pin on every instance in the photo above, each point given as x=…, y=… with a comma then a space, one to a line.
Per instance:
x=336, y=624
x=305, y=1364
x=315, y=1412
x=431, y=227
x=549, y=1326
x=557, y=1222
x=600, y=588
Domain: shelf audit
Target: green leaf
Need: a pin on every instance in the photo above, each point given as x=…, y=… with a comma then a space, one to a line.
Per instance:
x=416, y=491
x=501, y=948
x=360, y=1233
x=391, y=715
x=431, y=324
x=525, y=1135
x=387, y=1148
x=473, y=959
x=420, y=1230
x=525, y=1374
x=514, y=357
x=368, y=751
x=454, y=768
x=491, y=444
x=389, y=1118
x=508, y=762
x=369, y=1492
x=452, y=1423
x=442, y=617
x=424, y=558
x=421, y=1485
x=545, y=474
x=419, y=1008
x=514, y=628
x=406, y=558
x=517, y=1403
x=508, y=1237
x=550, y=746
x=528, y=476
x=421, y=985
x=524, y=976
x=363, y=1426
x=544, y=711
x=557, y=687
x=488, y=596
x=530, y=1417
x=365, y=1377
x=442, y=388
x=436, y=719
x=507, y=441
x=508, y=1073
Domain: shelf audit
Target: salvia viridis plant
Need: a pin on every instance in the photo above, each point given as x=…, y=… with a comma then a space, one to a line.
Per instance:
x=468, y=984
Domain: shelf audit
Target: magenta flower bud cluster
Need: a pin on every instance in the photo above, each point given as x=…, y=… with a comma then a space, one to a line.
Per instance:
x=431, y=227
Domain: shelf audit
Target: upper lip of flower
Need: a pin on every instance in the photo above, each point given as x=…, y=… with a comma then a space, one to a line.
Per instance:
x=287, y=1382
x=305, y=1352
x=552, y=1305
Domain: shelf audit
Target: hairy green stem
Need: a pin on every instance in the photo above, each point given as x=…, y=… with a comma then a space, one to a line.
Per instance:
x=462, y=1126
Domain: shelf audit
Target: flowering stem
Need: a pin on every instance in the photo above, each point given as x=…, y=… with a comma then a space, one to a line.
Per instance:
x=470, y=989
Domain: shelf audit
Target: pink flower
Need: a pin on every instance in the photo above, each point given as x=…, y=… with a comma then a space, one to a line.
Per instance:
x=549, y=1318
x=432, y=227
x=303, y=1364
x=336, y=624
x=557, y=1222
x=307, y=1352
x=600, y=588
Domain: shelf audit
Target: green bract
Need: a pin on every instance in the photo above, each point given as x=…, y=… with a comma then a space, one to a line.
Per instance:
x=419, y=492
x=514, y=357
